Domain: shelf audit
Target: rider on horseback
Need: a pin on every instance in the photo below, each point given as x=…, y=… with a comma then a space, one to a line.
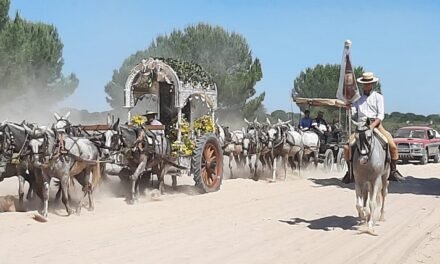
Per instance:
x=370, y=107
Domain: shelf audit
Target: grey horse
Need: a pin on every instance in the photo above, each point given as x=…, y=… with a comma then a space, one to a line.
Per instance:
x=13, y=157
x=142, y=151
x=284, y=143
x=371, y=168
x=232, y=143
x=79, y=159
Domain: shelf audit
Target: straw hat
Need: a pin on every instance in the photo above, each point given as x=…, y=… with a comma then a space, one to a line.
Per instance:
x=367, y=77
x=148, y=113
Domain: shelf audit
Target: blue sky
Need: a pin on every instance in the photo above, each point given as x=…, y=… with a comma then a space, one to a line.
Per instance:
x=397, y=40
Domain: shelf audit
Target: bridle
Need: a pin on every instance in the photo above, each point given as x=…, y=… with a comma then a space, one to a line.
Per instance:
x=365, y=143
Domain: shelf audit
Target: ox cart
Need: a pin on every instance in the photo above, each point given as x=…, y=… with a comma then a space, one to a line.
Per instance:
x=331, y=150
x=184, y=97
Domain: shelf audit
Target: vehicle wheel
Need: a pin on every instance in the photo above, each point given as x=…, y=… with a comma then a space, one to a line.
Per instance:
x=341, y=164
x=424, y=158
x=329, y=160
x=437, y=157
x=207, y=163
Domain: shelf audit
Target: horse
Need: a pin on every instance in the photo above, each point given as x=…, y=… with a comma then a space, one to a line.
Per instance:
x=371, y=169
x=76, y=157
x=232, y=144
x=284, y=143
x=311, y=144
x=255, y=143
x=142, y=150
x=13, y=157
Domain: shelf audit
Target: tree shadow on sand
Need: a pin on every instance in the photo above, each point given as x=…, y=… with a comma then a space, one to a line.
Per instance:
x=411, y=185
x=327, y=223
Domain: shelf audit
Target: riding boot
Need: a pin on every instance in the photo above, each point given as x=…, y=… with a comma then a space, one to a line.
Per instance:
x=348, y=177
x=394, y=173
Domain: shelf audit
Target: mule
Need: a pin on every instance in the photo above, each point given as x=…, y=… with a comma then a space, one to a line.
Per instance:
x=283, y=143
x=143, y=152
x=13, y=157
x=232, y=144
x=79, y=158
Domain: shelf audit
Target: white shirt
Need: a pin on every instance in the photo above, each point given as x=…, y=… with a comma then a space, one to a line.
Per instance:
x=371, y=106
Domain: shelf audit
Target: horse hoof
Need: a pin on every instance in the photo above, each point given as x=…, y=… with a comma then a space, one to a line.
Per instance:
x=131, y=201
x=40, y=218
x=91, y=209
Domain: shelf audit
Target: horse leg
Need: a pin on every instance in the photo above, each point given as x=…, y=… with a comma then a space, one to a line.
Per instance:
x=237, y=161
x=300, y=160
x=161, y=175
x=251, y=168
x=65, y=189
x=46, y=181
x=255, y=176
x=373, y=204
x=134, y=178
x=230, y=165
x=84, y=179
x=359, y=203
x=274, y=169
x=30, y=178
x=174, y=181
x=285, y=161
x=21, y=191
x=316, y=158
x=384, y=192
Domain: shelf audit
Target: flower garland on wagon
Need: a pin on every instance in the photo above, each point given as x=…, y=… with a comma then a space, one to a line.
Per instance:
x=186, y=147
x=138, y=120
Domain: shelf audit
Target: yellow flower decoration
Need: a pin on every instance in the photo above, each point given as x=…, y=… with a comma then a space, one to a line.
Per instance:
x=138, y=120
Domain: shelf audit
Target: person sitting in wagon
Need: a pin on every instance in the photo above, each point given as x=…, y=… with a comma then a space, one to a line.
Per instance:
x=151, y=134
x=306, y=122
x=152, y=119
x=321, y=126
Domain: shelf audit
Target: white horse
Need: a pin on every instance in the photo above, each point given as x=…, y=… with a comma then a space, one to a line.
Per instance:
x=311, y=144
x=284, y=143
x=371, y=169
x=232, y=147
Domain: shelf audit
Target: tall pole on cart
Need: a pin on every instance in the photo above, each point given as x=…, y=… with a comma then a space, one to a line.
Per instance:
x=347, y=87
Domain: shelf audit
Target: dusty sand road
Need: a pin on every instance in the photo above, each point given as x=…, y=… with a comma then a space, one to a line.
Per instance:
x=308, y=219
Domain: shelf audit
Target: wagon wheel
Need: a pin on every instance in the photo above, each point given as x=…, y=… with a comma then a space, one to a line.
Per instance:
x=328, y=160
x=341, y=164
x=207, y=163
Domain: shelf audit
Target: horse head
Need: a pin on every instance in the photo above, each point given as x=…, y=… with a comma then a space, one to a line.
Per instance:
x=112, y=139
x=42, y=141
x=62, y=124
x=364, y=137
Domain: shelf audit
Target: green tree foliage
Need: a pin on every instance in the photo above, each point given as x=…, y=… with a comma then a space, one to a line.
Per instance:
x=4, y=7
x=226, y=56
x=31, y=63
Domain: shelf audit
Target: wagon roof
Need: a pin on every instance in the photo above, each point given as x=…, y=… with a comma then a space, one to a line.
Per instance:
x=187, y=78
x=319, y=102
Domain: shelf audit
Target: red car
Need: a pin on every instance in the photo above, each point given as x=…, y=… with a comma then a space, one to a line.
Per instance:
x=418, y=143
